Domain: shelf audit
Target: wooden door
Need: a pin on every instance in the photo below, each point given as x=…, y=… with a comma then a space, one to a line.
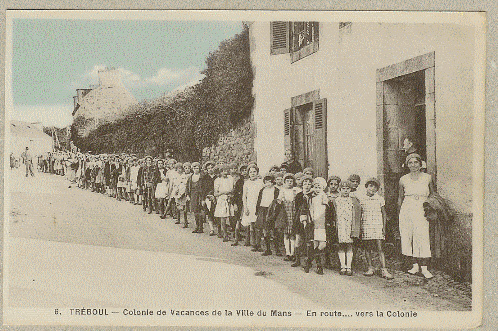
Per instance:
x=308, y=129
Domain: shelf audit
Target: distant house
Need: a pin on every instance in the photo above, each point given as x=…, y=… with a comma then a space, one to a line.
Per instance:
x=23, y=134
x=103, y=103
x=344, y=96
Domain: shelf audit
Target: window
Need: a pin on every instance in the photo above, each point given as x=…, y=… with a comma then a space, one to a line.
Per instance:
x=300, y=39
x=344, y=25
x=303, y=34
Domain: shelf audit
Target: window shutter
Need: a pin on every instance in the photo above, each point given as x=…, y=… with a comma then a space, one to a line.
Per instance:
x=288, y=128
x=279, y=34
x=320, y=138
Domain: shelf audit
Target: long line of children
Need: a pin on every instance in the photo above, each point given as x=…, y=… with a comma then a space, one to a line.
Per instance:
x=298, y=216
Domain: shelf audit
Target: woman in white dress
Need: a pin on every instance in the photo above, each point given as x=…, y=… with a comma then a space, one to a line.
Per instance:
x=414, y=189
x=250, y=194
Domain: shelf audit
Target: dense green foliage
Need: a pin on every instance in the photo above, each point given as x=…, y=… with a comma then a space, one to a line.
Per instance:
x=188, y=121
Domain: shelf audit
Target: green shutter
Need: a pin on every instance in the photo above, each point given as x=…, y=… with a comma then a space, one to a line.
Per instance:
x=320, y=159
x=288, y=128
x=279, y=34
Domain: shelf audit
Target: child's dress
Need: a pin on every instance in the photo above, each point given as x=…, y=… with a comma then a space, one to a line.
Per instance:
x=194, y=190
x=223, y=206
x=180, y=193
x=250, y=199
x=134, y=178
x=318, y=211
x=122, y=177
x=265, y=199
x=344, y=210
x=100, y=174
x=162, y=185
x=372, y=224
x=287, y=196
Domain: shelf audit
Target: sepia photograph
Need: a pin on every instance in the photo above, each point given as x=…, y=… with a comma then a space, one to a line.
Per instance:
x=244, y=168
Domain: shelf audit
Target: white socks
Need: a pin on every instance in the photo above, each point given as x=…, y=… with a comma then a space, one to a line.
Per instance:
x=415, y=269
x=342, y=258
x=427, y=274
x=289, y=245
x=349, y=257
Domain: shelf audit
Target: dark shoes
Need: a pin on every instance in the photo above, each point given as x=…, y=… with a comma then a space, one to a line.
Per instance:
x=287, y=258
x=319, y=270
x=307, y=269
x=296, y=264
x=177, y=222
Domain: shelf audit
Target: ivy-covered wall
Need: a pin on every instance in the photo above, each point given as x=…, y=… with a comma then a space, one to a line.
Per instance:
x=236, y=146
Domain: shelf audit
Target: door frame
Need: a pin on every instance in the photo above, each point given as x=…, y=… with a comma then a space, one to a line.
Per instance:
x=426, y=63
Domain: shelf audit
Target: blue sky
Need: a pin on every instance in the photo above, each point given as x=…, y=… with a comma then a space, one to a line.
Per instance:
x=51, y=58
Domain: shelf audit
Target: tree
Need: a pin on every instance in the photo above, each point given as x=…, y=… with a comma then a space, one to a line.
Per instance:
x=189, y=120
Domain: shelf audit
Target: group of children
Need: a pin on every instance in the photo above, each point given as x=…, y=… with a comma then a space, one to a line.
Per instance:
x=298, y=216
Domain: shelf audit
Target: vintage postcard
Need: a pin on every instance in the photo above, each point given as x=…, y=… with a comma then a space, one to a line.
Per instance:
x=244, y=168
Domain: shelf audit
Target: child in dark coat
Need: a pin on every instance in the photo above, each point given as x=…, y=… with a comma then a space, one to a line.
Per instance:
x=263, y=226
x=303, y=228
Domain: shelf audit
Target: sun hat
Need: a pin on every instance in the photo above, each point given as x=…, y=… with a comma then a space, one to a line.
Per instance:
x=321, y=181
x=354, y=178
x=374, y=181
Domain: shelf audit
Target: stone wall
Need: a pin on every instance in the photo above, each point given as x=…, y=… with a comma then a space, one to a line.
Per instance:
x=236, y=146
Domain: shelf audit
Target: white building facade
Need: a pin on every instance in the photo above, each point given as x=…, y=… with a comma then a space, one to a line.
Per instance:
x=344, y=96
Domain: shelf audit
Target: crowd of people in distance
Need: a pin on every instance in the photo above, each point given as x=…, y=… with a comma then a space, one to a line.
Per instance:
x=288, y=212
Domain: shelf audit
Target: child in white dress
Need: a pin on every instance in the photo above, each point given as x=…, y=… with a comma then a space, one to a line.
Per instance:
x=223, y=188
x=318, y=212
x=252, y=186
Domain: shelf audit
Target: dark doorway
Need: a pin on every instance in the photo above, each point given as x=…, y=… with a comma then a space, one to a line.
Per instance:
x=404, y=120
x=406, y=107
x=303, y=134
